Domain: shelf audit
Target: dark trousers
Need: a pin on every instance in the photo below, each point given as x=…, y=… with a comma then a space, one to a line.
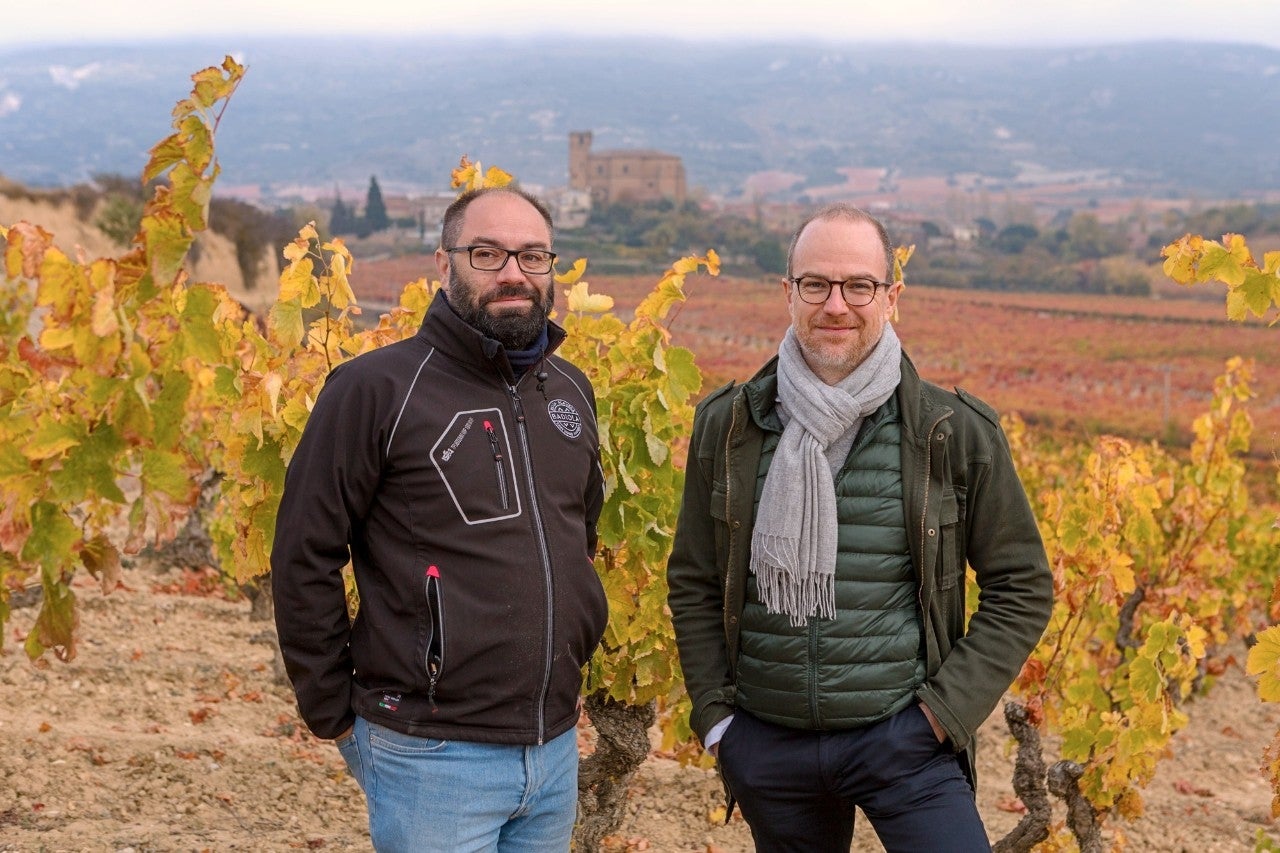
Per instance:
x=797, y=789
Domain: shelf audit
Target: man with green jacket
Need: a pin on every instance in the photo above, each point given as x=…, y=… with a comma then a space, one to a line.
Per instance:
x=818, y=575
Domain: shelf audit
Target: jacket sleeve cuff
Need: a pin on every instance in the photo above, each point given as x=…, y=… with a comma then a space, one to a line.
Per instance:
x=957, y=734
x=710, y=712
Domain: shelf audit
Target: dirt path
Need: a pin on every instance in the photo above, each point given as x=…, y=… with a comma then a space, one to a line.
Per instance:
x=168, y=733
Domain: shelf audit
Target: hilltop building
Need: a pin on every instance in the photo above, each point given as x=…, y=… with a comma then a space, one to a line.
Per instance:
x=614, y=176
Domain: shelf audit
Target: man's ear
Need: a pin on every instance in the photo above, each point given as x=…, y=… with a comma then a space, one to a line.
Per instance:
x=786, y=291
x=893, y=292
x=442, y=267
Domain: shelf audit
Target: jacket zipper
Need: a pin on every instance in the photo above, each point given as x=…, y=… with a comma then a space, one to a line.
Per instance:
x=733, y=537
x=435, y=642
x=813, y=671
x=546, y=559
x=924, y=514
x=497, y=464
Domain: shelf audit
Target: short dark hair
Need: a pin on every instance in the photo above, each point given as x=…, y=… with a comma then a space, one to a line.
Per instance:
x=452, y=224
x=845, y=211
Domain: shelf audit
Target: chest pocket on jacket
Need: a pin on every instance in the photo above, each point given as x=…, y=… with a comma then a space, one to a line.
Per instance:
x=951, y=548
x=474, y=458
x=720, y=512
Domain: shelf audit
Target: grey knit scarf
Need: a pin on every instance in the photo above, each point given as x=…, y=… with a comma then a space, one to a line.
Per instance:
x=793, y=546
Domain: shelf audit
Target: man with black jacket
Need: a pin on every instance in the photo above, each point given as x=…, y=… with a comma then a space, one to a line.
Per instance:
x=817, y=580
x=458, y=471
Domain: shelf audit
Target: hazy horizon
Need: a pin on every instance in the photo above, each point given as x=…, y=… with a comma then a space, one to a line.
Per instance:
x=1004, y=23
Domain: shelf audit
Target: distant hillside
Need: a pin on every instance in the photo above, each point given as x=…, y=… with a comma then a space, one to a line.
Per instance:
x=72, y=223
x=1160, y=117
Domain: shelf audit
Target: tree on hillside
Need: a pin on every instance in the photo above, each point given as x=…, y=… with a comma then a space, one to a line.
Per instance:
x=1087, y=238
x=342, y=219
x=1014, y=239
x=375, y=209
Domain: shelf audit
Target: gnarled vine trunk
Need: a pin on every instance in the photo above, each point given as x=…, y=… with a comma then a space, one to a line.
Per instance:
x=1082, y=817
x=622, y=745
x=1028, y=783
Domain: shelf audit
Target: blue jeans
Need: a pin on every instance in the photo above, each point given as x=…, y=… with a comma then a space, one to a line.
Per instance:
x=427, y=795
x=797, y=789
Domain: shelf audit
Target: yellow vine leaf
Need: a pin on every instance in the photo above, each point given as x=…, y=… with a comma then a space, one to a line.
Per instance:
x=54, y=338
x=471, y=176
x=60, y=283
x=579, y=299
x=272, y=383
x=713, y=262
x=1256, y=293
x=102, y=561
x=298, y=282
x=104, y=321
x=1264, y=662
x=571, y=275
x=27, y=245
x=686, y=265
x=1181, y=256
x=495, y=177
x=1228, y=262
x=285, y=322
x=901, y=255
x=167, y=241
x=340, y=294
x=164, y=154
x=51, y=438
x=197, y=143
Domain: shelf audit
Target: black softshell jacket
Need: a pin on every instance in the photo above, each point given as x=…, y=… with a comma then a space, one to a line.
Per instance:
x=467, y=503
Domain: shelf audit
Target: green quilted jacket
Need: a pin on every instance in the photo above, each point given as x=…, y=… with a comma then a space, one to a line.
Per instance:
x=963, y=504
x=864, y=665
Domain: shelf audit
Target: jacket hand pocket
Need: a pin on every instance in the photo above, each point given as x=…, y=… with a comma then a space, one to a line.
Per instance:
x=719, y=510
x=435, y=632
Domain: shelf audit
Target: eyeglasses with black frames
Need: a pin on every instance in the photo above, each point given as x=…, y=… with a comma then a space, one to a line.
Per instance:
x=494, y=258
x=816, y=290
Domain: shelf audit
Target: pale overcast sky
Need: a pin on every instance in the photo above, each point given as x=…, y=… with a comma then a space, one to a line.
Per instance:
x=992, y=22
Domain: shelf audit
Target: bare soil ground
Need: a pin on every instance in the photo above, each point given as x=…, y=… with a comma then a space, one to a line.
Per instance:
x=169, y=732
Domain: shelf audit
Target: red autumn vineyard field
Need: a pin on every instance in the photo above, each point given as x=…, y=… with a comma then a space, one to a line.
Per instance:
x=1136, y=367
x=1132, y=366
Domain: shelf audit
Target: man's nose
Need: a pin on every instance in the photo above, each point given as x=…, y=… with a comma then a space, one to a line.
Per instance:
x=510, y=270
x=835, y=303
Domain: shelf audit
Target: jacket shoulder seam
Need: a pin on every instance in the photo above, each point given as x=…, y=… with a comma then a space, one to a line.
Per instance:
x=715, y=395
x=982, y=408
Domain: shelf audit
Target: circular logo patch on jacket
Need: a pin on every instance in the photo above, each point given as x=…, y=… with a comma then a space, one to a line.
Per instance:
x=565, y=417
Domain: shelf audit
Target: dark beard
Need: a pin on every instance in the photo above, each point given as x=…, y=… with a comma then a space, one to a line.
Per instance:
x=515, y=331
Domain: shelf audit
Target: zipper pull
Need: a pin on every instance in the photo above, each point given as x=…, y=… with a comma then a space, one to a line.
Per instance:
x=515, y=397
x=493, y=443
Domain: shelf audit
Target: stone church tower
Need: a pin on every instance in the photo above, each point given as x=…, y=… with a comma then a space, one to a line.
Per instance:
x=629, y=175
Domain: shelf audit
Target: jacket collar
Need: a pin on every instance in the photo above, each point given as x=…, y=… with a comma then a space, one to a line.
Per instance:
x=920, y=411
x=761, y=393
x=442, y=328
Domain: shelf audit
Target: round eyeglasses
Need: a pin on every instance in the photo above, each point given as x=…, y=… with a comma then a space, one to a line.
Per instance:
x=494, y=258
x=816, y=290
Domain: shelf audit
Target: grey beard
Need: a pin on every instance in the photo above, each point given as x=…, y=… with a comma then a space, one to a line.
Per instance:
x=514, y=331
